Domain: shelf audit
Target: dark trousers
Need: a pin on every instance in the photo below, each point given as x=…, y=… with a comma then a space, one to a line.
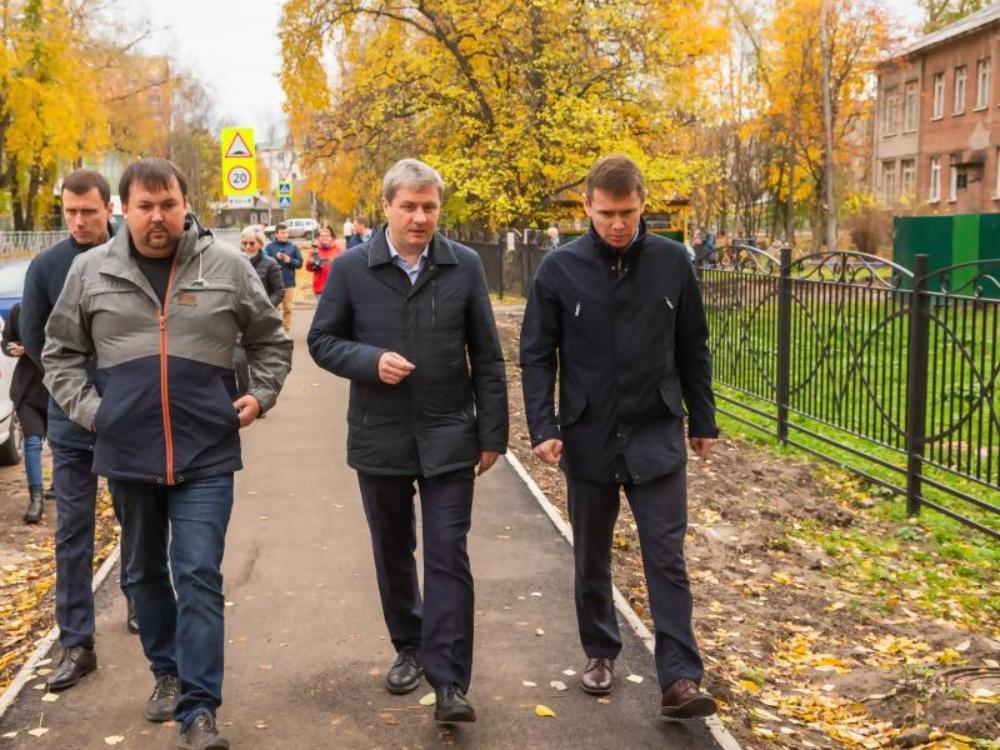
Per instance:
x=660, y=511
x=76, y=496
x=441, y=626
x=180, y=530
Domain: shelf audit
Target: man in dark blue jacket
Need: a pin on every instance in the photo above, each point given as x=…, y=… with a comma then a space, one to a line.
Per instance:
x=86, y=204
x=289, y=258
x=407, y=318
x=618, y=314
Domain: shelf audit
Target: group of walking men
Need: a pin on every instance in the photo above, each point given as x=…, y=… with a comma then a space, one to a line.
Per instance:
x=136, y=335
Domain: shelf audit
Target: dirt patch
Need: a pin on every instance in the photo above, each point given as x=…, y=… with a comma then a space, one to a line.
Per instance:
x=822, y=623
x=27, y=567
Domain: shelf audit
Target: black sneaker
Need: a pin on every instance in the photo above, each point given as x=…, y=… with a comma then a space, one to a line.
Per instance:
x=163, y=701
x=131, y=619
x=452, y=707
x=404, y=674
x=202, y=734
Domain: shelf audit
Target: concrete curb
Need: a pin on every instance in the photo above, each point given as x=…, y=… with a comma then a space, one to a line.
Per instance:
x=719, y=732
x=26, y=672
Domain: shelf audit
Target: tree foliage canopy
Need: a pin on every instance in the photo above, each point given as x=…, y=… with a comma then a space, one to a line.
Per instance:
x=511, y=100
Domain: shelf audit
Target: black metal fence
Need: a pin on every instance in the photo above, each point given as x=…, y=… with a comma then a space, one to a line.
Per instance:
x=508, y=272
x=890, y=373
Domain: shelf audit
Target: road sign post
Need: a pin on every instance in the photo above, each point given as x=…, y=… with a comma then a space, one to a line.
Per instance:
x=239, y=162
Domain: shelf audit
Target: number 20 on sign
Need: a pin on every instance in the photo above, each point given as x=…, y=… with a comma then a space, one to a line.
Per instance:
x=239, y=162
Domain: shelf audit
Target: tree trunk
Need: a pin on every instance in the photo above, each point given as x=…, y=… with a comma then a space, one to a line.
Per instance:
x=830, y=208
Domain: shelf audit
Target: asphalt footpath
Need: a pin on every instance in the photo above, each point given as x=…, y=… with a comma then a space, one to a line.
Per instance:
x=307, y=647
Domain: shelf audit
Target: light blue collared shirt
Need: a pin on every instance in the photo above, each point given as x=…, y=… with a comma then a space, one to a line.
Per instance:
x=411, y=271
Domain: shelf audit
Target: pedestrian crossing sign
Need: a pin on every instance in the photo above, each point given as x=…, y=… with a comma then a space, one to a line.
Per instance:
x=284, y=189
x=284, y=201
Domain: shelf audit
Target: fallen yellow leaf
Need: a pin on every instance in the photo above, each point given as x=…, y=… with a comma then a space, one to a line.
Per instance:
x=541, y=710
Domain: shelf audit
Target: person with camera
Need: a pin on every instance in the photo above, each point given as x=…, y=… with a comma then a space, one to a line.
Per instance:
x=322, y=256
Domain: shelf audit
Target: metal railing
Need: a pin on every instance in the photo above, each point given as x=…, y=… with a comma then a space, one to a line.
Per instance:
x=15, y=244
x=890, y=373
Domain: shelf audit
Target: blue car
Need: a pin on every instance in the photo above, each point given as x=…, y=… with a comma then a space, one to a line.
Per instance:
x=11, y=285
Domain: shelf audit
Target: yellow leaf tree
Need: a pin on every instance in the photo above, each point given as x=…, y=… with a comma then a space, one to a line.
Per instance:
x=511, y=101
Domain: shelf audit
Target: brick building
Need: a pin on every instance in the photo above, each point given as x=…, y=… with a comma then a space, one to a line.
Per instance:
x=937, y=133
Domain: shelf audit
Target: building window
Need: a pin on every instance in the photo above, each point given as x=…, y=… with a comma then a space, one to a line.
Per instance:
x=952, y=180
x=908, y=178
x=960, y=74
x=911, y=98
x=889, y=182
x=934, y=190
x=938, y=109
x=890, y=111
x=996, y=191
x=983, y=83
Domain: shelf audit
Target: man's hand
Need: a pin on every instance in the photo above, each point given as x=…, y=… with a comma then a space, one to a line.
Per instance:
x=486, y=461
x=283, y=257
x=701, y=446
x=549, y=451
x=16, y=350
x=248, y=409
x=393, y=368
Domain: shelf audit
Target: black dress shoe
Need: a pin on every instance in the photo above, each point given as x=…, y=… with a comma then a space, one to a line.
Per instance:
x=202, y=734
x=404, y=674
x=76, y=662
x=451, y=706
x=50, y=492
x=163, y=701
x=36, y=504
x=131, y=621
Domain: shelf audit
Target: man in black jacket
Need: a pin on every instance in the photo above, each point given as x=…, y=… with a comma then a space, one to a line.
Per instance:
x=86, y=205
x=404, y=316
x=618, y=314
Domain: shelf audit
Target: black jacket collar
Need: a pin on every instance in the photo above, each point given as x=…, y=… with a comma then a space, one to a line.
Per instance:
x=440, y=253
x=605, y=249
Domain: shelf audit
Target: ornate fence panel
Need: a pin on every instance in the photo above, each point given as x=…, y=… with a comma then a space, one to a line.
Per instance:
x=14, y=244
x=868, y=365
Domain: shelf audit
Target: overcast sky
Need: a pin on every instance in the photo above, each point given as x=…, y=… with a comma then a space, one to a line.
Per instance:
x=232, y=48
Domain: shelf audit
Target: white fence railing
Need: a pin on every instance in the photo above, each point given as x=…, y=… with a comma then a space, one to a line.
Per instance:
x=13, y=244
x=26, y=244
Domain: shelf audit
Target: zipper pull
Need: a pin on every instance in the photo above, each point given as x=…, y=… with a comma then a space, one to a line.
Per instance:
x=669, y=303
x=576, y=313
x=163, y=322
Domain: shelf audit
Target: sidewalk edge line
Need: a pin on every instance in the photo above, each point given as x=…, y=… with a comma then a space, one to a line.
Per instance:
x=26, y=672
x=718, y=730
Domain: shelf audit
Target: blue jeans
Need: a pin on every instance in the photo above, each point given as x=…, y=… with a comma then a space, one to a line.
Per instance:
x=33, y=459
x=177, y=537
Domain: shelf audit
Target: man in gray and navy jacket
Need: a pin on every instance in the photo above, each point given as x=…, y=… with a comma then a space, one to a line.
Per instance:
x=159, y=308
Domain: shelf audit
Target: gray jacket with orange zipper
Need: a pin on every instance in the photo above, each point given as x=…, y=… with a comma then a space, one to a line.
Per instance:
x=161, y=403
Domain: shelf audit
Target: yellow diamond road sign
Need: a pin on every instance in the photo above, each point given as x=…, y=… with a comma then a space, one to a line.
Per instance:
x=239, y=162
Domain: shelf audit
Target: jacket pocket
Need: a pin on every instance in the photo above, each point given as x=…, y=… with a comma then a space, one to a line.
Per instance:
x=670, y=392
x=571, y=408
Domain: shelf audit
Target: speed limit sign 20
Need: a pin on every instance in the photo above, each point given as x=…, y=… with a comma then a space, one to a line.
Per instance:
x=238, y=178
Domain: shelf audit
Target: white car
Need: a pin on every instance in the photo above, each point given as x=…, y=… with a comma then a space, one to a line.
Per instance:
x=302, y=228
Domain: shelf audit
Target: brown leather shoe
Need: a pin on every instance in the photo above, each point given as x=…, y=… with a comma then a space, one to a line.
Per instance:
x=76, y=662
x=684, y=700
x=598, y=676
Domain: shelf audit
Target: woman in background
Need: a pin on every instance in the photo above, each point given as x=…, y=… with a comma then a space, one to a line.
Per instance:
x=322, y=256
x=31, y=402
x=252, y=241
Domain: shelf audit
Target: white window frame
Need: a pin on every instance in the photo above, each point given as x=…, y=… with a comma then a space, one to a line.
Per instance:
x=961, y=77
x=952, y=180
x=907, y=187
x=983, y=82
x=889, y=181
x=890, y=109
x=911, y=102
x=996, y=188
x=934, y=185
x=938, y=110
